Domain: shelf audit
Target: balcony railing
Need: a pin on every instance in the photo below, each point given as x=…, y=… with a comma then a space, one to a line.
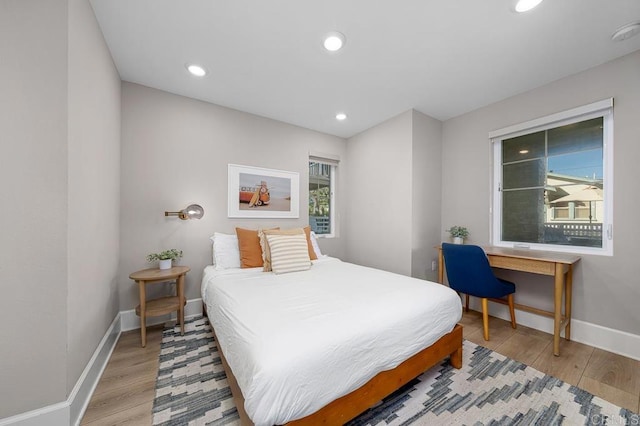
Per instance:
x=575, y=234
x=320, y=224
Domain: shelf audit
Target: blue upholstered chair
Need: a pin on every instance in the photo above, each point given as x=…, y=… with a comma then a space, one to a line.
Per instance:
x=469, y=272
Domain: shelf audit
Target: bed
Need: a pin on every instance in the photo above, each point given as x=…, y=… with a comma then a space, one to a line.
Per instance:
x=323, y=345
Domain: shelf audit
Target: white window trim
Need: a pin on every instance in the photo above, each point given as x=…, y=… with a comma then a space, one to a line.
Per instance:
x=603, y=109
x=333, y=161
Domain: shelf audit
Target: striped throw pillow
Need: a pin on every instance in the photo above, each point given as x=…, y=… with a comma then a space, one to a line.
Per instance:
x=289, y=253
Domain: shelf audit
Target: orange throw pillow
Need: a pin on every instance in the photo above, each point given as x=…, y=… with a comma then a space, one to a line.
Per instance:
x=250, y=250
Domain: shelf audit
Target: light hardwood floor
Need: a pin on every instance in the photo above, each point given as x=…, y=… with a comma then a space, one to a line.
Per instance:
x=126, y=390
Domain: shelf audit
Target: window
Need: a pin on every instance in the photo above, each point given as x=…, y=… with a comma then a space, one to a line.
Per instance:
x=322, y=176
x=553, y=180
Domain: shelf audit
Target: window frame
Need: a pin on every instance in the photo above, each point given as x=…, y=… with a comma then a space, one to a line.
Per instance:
x=333, y=165
x=602, y=109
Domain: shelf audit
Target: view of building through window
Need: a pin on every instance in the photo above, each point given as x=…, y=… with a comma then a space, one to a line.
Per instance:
x=320, y=197
x=552, y=185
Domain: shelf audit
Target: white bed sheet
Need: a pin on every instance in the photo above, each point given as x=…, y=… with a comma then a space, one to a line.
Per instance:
x=297, y=341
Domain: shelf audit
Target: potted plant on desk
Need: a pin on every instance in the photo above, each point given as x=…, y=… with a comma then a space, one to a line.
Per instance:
x=459, y=233
x=165, y=258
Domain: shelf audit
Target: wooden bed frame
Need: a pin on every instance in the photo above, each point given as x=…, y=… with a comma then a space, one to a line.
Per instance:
x=351, y=405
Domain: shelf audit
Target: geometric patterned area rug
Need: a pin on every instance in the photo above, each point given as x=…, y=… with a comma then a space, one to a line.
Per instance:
x=489, y=389
x=191, y=387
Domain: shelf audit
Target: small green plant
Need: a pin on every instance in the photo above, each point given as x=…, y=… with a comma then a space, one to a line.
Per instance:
x=172, y=254
x=458, y=231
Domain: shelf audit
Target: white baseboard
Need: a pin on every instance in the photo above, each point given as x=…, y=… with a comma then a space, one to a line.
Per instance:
x=70, y=412
x=608, y=339
x=54, y=415
x=88, y=380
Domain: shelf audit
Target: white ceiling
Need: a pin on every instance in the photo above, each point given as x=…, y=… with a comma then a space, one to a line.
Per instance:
x=441, y=57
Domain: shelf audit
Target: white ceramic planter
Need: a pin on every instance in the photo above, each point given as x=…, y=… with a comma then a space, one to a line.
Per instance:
x=458, y=240
x=164, y=264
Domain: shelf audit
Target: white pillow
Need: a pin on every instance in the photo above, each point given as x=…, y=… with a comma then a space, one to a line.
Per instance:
x=226, y=254
x=289, y=253
x=314, y=243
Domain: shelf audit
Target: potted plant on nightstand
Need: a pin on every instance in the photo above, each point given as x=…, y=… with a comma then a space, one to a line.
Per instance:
x=459, y=233
x=165, y=258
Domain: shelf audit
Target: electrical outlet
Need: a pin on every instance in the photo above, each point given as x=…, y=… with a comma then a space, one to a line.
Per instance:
x=434, y=265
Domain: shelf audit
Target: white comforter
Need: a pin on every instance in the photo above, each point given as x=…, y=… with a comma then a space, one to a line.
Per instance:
x=297, y=341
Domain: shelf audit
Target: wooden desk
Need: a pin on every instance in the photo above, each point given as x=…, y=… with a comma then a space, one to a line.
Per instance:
x=162, y=305
x=557, y=265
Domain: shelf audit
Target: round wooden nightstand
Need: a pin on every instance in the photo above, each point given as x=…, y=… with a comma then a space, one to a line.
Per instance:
x=161, y=305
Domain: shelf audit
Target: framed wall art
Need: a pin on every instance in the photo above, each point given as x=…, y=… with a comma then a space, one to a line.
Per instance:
x=255, y=192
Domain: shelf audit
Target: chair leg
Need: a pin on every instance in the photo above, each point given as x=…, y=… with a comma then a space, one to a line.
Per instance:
x=485, y=317
x=466, y=305
x=512, y=310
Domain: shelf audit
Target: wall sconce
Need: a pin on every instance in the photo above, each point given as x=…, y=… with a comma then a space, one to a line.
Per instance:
x=192, y=211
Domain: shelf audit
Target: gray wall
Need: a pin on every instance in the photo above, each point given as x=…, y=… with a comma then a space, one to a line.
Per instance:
x=175, y=151
x=33, y=213
x=378, y=226
x=394, y=195
x=94, y=188
x=59, y=115
x=606, y=290
x=426, y=181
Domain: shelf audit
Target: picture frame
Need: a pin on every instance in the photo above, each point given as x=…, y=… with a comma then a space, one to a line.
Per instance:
x=256, y=192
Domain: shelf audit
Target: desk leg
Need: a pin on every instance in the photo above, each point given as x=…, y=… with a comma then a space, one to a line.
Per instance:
x=440, y=267
x=181, y=303
x=567, y=302
x=143, y=313
x=557, y=307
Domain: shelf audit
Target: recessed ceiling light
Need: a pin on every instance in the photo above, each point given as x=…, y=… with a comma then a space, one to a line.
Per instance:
x=525, y=5
x=524, y=151
x=333, y=41
x=626, y=31
x=196, y=70
x=341, y=116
